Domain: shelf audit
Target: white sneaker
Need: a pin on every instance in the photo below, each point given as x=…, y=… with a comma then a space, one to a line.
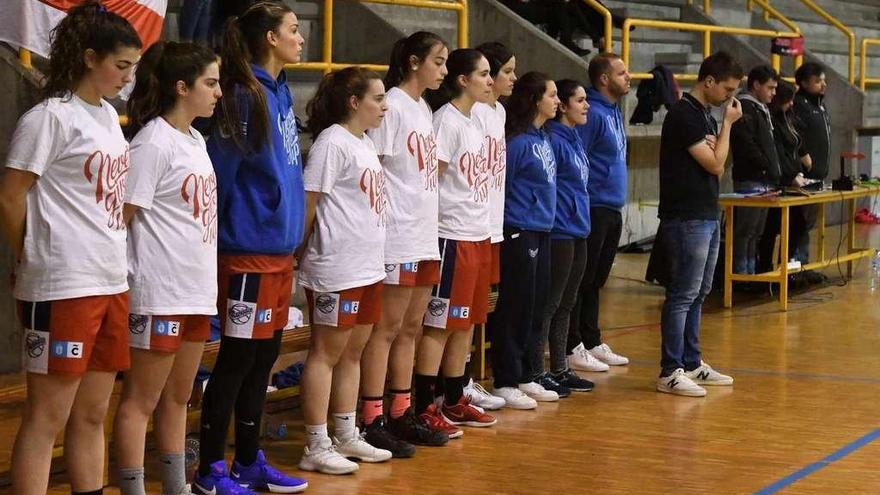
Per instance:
x=538, y=392
x=357, y=448
x=678, y=383
x=325, y=459
x=606, y=355
x=479, y=396
x=514, y=398
x=582, y=360
x=705, y=375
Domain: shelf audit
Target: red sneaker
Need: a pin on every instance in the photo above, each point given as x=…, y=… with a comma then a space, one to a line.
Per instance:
x=464, y=414
x=435, y=421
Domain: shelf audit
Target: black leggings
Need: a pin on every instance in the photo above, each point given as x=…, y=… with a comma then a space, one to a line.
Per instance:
x=525, y=282
x=238, y=382
x=568, y=258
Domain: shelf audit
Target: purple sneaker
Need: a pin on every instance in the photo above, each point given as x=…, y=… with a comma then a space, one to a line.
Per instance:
x=261, y=476
x=217, y=482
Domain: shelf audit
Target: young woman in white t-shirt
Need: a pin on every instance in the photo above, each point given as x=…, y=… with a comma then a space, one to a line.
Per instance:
x=171, y=212
x=408, y=153
x=491, y=116
x=342, y=265
x=461, y=298
x=61, y=203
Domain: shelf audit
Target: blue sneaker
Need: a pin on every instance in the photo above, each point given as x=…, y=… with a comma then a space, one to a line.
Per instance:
x=261, y=476
x=217, y=482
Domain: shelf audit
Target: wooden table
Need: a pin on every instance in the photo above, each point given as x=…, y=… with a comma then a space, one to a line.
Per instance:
x=784, y=203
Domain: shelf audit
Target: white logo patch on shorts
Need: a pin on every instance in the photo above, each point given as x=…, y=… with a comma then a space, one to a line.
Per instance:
x=35, y=346
x=438, y=312
x=326, y=309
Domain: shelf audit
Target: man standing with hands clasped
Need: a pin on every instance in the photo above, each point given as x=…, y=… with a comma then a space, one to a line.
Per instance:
x=693, y=151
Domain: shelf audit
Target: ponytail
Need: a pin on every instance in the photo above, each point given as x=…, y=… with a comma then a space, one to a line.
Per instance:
x=162, y=66
x=88, y=26
x=330, y=104
x=461, y=62
x=418, y=45
x=244, y=114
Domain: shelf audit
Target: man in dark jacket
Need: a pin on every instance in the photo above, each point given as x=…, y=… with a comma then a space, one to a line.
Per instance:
x=755, y=164
x=814, y=126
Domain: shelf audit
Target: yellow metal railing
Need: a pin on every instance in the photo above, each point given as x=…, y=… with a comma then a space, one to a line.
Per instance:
x=706, y=29
x=864, y=80
x=770, y=12
x=606, y=16
x=850, y=36
x=327, y=64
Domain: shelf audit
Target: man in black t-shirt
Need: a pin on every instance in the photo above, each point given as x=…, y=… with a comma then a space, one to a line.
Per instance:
x=693, y=152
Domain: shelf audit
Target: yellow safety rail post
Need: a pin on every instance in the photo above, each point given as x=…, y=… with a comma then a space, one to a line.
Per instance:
x=864, y=80
x=770, y=12
x=606, y=15
x=24, y=56
x=707, y=6
x=685, y=26
x=327, y=64
x=850, y=36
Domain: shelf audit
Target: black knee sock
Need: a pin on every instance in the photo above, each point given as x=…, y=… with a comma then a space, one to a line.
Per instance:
x=251, y=398
x=234, y=362
x=99, y=491
x=424, y=389
x=454, y=388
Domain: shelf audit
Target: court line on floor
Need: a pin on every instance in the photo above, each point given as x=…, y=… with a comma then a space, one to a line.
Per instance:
x=816, y=466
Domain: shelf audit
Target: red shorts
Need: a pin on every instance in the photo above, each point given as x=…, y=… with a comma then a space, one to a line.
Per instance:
x=496, y=264
x=72, y=336
x=414, y=274
x=164, y=333
x=346, y=308
x=461, y=299
x=254, y=294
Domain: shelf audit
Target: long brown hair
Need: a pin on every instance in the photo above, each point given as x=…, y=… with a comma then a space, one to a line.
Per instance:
x=244, y=43
x=162, y=66
x=330, y=104
x=522, y=106
x=88, y=26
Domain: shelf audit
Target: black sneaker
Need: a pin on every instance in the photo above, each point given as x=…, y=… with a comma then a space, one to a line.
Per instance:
x=568, y=379
x=546, y=380
x=377, y=435
x=409, y=429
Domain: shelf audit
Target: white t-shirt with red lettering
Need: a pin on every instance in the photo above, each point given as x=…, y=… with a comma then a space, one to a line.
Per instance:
x=464, y=186
x=405, y=141
x=491, y=120
x=172, y=239
x=347, y=248
x=74, y=240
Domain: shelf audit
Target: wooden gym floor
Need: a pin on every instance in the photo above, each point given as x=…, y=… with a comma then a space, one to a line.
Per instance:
x=800, y=419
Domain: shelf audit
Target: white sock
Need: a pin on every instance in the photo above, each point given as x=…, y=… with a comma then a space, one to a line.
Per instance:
x=316, y=436
x=344, y=425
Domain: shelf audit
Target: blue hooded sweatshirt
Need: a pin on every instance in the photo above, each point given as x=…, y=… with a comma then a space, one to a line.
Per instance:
x=260, y=195
x=572, y=178
x=604, y=137
x=530, y=188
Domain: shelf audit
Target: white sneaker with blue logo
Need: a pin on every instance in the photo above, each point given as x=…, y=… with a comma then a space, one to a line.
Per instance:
x=705, y=375
x=678, y=383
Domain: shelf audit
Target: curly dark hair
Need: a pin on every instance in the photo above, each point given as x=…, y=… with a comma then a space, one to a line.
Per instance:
x=88, y=26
